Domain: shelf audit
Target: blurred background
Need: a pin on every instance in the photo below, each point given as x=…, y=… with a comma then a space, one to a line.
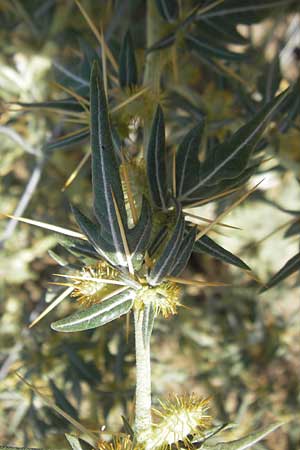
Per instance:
x=233, y=344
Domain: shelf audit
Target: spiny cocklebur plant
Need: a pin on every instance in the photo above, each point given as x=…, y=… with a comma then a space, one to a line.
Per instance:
x=131, y=256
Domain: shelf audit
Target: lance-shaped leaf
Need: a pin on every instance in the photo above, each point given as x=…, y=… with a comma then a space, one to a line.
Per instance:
x=210, y=247
x=224, y=29
x=240, y=11
x=187, y=164
x=128, y=75
x=69, y=104
x=139, y=236
x=94, y=235
x=105, y=171
x=168, y=9
x=158, y=240
x=211, y=48
x=62, y=401
x=97, y=315
x=291, y=109
x=225, y=187
x=78, y=247
x=21, y=448
x=184, y=252
x=268, y=82
x=68, y=140
x=127, y=427
x=293, y=229
x=164, y=42
x=77, y=444
x=229, y=159
x=245, y=442
x=164, y=264
x=288, y=269
x=156, y=161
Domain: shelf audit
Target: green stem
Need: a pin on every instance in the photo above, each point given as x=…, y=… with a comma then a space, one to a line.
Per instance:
x=143, y=419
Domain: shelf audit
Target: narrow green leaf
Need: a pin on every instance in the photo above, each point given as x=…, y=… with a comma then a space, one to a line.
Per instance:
x=187, y=164
x=22, y=448
x=158, y=240
x=105, y=171
x=268, y=82
x=164, y=42
x=245, y=442
x=244, y=12
x=210, y=247
x=166, y=259
x=184, y=252
x=128, y=75
x=78, y=247
x=96, y=315
x=139, y=236
x=168, y=9
x=229, y=159
x=69, y=140
x=61, y=400
x=204, y=193
x=211, y=48
x=57, y=258
x=69, y=104
x=156, y=162
x=94, y=235
x=288, y=269
x=74, y=442
x=127, y=427
x=293, y=229
x=224, y=29
x=77, y=444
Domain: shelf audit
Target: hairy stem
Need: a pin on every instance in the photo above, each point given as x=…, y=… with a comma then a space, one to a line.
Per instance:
x=143, y=380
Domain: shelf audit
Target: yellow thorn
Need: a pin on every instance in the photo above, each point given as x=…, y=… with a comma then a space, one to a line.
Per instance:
x=76, y=171
x=174, y=172
x=52, y=305
x=123, y=235
x=129, y=100
x=97, y=280
x=204, y=219
x=227, y=211
x=214, y=197
x=60, y=411
x=196, y=282
x=97, y=35
x=48, y=226
x=129, y=190
x=81, y=100
x=103, y=60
